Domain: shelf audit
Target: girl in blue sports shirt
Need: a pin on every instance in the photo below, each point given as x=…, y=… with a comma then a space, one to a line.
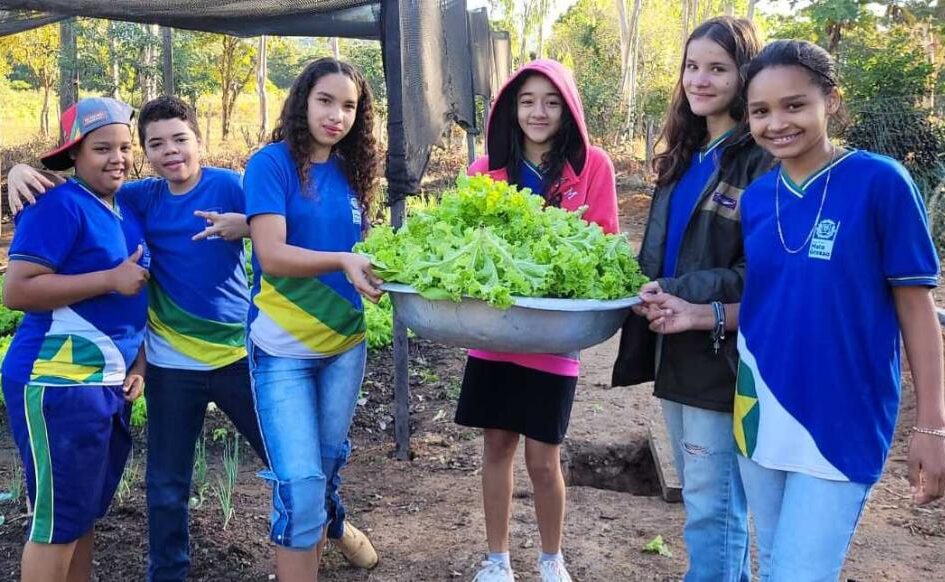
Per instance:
x=306, y=197
x=840, y=263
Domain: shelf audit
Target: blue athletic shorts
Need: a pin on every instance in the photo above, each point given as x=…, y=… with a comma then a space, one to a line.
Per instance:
x=74, y=442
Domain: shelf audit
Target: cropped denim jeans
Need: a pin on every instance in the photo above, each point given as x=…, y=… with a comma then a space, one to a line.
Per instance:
x=305, y=408
x=803, y=524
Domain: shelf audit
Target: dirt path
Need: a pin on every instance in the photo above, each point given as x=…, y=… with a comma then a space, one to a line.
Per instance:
x=425, y=516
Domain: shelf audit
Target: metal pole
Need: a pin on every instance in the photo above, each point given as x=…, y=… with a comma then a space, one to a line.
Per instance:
x=471, y=146
x=401, y=358
x=486, y=110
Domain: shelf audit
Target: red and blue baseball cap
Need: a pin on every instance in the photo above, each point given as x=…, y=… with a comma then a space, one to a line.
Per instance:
x=81, y=119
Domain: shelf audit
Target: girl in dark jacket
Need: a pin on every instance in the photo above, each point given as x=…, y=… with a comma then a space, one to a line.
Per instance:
x=692, y=248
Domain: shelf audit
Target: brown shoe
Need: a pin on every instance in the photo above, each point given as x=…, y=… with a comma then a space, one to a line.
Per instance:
x=356, y=548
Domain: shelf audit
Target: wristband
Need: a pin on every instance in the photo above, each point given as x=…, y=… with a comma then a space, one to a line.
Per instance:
x=718, y=332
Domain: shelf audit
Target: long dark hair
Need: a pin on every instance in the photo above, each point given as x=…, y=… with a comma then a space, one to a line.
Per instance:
x=563, y=145
x=684, y=132
x=817, y=62
x=357, y=149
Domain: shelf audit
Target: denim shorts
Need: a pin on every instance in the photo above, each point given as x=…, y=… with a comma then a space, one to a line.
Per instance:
x=305, y=408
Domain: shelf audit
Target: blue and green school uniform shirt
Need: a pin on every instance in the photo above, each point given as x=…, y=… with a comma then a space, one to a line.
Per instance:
x=685, y=195
x=198, y=297
x=304, y=317
x=92, y=342
x=818, y=383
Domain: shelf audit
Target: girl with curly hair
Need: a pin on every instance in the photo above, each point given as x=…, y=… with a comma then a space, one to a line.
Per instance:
x=307, y=194
x=537, y=139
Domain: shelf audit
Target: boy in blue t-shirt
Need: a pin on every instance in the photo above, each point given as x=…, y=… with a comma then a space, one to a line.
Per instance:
x=75, y=362
x=198, y=299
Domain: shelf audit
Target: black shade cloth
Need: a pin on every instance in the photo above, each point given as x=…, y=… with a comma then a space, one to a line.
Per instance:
x=345, y=18
x=426, y=48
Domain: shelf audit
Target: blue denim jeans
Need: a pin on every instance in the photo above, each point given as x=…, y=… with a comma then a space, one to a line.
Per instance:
x=177, y=403
x=716, y=528
x=803, y=524
x=305, y=408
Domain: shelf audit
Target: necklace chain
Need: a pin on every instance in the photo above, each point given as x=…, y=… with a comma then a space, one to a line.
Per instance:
x=813, y=228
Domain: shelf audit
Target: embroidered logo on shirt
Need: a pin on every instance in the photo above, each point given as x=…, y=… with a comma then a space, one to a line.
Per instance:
x=724, y=200
x=355, y=211
x=571, y=193
x=821, y=246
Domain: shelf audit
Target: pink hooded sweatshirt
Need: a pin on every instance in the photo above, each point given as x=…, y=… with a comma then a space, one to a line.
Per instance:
x=586, y=180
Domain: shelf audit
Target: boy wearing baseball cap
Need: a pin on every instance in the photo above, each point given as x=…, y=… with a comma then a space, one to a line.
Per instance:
x=74, y=364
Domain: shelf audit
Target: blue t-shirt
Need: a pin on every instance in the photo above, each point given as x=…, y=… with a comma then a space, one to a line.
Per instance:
x=531, y=177
x=686, y=194
x=198, y=297
x=818, y=383
x=304, y=317
x=93, y=342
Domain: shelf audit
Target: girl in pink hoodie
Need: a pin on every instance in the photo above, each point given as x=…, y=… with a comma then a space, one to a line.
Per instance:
x=537, y=139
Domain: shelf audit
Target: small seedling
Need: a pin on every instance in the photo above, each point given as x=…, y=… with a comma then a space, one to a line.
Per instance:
x=453, y=388
x=129, y=477
x=15, y=488
x=201, y=484
x=227, y=484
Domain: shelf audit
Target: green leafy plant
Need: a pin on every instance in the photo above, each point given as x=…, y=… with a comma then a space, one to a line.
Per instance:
x=227, y=484
x=489, y=240
x=657, y=546
x=379, y=318
x=139, y=413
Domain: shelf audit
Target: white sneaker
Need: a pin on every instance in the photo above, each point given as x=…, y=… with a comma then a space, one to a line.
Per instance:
x=553, y=571
x=494, y=572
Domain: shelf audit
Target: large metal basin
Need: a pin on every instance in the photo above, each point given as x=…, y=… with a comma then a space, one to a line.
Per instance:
x=532, y=325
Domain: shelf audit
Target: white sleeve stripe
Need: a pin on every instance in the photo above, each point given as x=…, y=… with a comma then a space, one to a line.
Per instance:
x=912, y=277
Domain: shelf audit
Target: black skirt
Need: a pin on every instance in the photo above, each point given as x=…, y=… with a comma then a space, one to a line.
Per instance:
x=510, y=397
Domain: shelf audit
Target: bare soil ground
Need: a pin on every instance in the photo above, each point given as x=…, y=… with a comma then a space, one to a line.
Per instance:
x=425, y=517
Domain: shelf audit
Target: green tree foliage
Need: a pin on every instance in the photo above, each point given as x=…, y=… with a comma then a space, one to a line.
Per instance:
x=36, y=53
x=587, y=41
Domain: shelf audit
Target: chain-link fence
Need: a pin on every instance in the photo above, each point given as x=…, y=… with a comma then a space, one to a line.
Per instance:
x=911, y=130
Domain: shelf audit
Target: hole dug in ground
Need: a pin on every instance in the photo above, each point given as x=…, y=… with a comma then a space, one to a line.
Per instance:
x=626, y=467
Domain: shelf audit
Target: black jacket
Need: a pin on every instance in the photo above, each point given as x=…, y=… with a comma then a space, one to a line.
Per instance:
x=710, y=267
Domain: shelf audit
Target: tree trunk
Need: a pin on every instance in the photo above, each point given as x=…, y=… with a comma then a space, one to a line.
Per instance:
x=335, y=50
x=68, y=72
x=634, y=66
x=146, y=70
x=226, y=84
x=167, y=52
x=526, y=16
x=261, y=75
x=751, y=9
x=685, y=23
x=114, y=78
x=44, y=113
x=625, y=40
x=542, y=14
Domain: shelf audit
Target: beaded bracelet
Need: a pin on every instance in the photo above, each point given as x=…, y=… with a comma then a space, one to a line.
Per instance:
x=939, y=432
